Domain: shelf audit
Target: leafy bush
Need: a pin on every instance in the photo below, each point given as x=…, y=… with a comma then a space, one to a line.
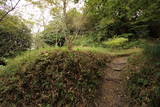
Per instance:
x=143, y=87
x=38, y=42
x=87, y=40
x=53, y=39
x=14, y=36
x=54, y=33
x=105, y=29
x=143, y=84
x=116, y=42
x=59, y=78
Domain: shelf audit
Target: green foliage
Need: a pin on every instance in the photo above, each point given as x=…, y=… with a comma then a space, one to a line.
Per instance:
x=76, y=21
x=14, y=36
x=115, y=17
x=110, y=51
x=116, y=42
x=27, y=57
x=88, y=40
x=57, y=31
x=140, y=30
x=108, y=19
x=152, y=51
x=83, y=41
x=143, y=84
x=135, y=44
x=53, y=39
x=38, y=42
x=58, y=78
x=143, y=87
x=54, y=33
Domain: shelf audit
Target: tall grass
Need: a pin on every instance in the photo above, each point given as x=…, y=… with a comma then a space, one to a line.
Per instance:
x=152, y=51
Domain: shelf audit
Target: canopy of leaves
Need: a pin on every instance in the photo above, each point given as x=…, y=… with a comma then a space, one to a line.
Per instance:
x=115, y=17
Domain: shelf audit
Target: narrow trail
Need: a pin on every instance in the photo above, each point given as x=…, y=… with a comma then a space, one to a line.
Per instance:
x=112, y=90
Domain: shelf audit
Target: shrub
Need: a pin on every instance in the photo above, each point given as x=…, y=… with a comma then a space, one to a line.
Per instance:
x=53, y=39
x=38, y=42
x=54, y=33
x=143, y=84
x=144, y=87
x=115, y=42
x=59, y=78
x=87, y=40
x=14, y=36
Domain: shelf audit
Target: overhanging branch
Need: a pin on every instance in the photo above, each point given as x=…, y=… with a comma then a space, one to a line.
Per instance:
x=3, y=16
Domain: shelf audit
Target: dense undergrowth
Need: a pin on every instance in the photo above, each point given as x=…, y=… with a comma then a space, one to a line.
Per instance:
x=58, y=78
x=144, y=82
x=116, y=42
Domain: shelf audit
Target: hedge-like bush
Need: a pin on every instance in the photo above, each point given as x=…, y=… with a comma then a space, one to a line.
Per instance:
x=14, y=36
x=55, y=79
x=116, y=42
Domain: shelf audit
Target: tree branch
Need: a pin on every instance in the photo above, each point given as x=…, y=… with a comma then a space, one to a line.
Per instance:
x=3, y=16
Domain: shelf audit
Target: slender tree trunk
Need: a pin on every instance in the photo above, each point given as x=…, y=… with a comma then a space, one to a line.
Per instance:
x=67, y=38
x=64, y=9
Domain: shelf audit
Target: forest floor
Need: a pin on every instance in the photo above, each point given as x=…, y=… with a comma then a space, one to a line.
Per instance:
x=113, y=91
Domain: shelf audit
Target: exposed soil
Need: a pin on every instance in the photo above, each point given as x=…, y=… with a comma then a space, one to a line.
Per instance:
x=112, y=92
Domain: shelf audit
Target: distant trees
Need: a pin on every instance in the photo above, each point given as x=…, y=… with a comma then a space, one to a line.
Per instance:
x=14, y=36
x=105, y=18
x=76, y=21
x=53, y=33
x=59, y=28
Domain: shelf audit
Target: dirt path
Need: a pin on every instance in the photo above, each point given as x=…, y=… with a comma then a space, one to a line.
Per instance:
x=112, y=90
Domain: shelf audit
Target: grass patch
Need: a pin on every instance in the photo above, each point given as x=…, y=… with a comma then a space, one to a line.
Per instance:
x=27, y=57
x=110, y=51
